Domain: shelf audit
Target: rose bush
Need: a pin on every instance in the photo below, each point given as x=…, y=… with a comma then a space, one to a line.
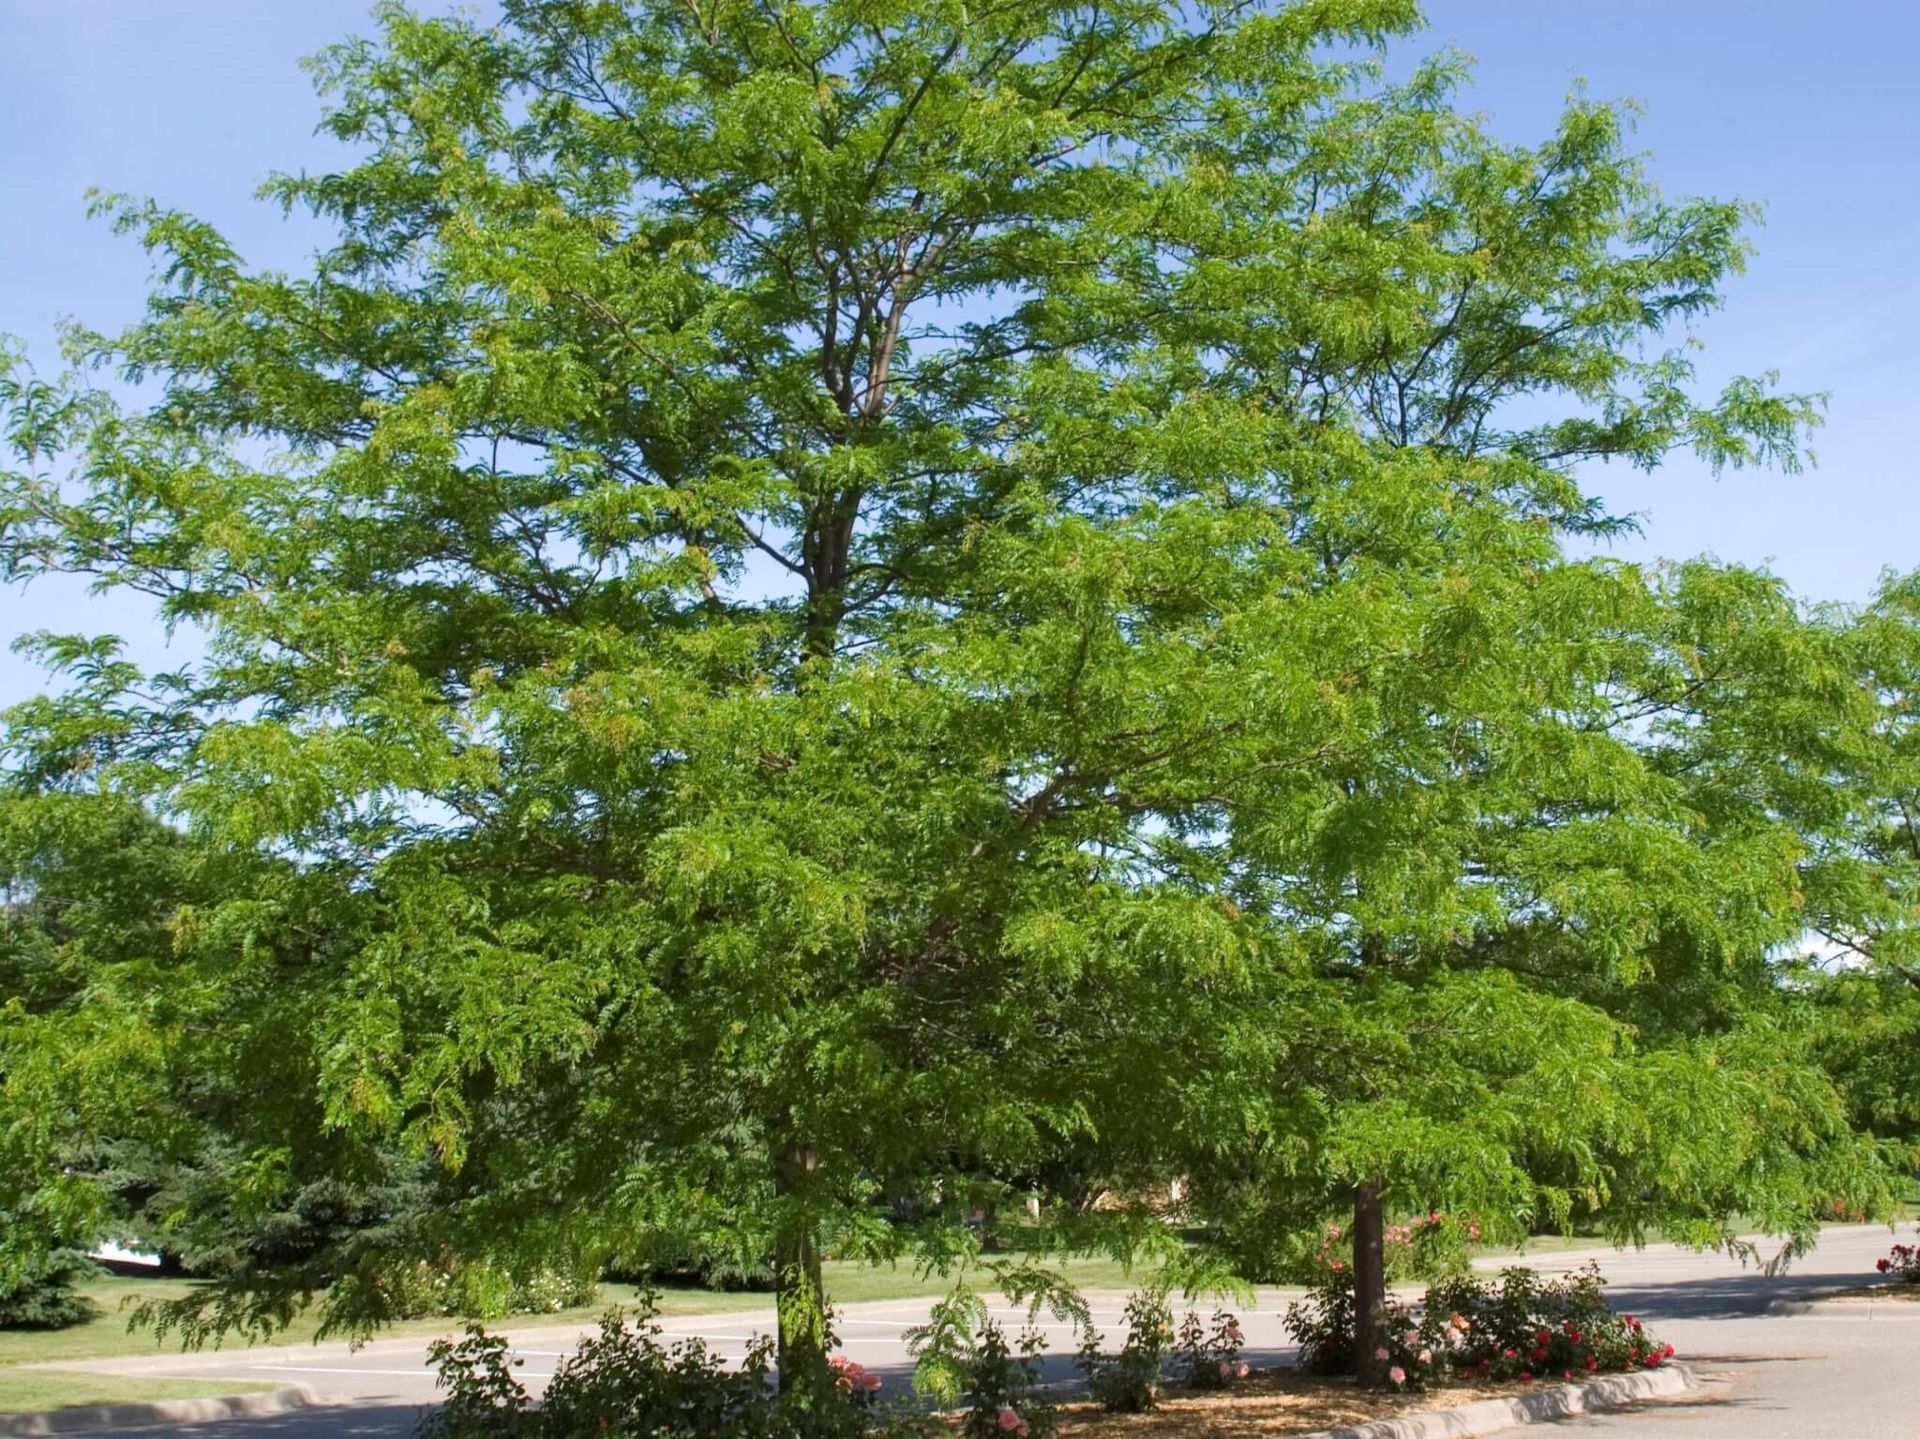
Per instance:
x=1424, y=1246
x=1209, y=1355
x=1130, y=1382
x=1522, y=1327
x=1005, y=1394
x=1902, y=1262
x=1518, y=1326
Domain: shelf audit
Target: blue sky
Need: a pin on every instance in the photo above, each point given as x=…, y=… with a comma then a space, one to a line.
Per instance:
x=1809, y=108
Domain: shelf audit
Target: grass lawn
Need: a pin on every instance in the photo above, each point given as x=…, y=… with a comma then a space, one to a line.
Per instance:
x=25, y=1391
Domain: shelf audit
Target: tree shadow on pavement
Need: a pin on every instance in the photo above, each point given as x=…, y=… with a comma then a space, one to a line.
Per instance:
x=1735, y=1296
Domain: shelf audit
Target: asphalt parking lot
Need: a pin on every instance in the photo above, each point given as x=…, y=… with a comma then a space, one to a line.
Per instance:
x=1807, y=1376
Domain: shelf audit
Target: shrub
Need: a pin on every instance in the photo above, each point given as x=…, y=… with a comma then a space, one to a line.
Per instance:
x=1427, y=1246
x=963, y=1359
x=1129, y=1382
x=623, y=1382
x=1323, y=1324
x=1209, y=1355
x=1520, y=1327
x=45, y=1297
x=550, y=1289
x=1902, y=1262
x=1516, y=1327
x=478, y=1290
x=1005, y=1394
x=859, y=1384
x=1410, y=1356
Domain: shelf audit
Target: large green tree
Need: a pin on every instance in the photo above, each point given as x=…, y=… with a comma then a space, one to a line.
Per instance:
x=1862, y=876
x=859, y=598
x=1550, y=918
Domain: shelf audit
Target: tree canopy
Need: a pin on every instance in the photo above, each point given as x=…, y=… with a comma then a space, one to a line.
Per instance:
x=820, y=609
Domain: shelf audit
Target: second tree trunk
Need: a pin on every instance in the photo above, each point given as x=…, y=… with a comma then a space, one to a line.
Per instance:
x=1369, y=1281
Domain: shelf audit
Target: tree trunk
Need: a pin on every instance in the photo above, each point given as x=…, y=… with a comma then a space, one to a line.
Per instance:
x=798, y=1297
x=1369, y=1280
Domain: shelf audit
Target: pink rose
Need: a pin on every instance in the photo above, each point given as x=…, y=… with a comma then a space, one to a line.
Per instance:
x=1397, y=1374
x=1011, y=1421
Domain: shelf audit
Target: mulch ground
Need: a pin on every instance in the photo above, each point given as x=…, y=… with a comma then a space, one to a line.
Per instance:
x=1272, y=1401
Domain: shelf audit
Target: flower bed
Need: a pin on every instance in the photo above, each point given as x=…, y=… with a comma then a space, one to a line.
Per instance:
x=1518, y=1327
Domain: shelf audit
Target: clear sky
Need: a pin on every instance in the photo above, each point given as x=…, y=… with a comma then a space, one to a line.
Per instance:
x=1807, y=106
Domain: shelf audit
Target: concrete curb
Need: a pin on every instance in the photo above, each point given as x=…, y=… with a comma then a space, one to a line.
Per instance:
x=1854, y=1303
x=1487, y=1416
x=1816, y=1300
x=161, y=1411
x=1779, y=1307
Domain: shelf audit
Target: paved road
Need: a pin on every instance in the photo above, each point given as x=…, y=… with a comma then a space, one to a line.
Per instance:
x=1841, y=1371
x=388, y=1381
x=1809, y=1376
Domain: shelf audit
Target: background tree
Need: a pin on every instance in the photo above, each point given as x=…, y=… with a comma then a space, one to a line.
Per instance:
x=155, y=1070
x=1495, y=833
x=1861, y=874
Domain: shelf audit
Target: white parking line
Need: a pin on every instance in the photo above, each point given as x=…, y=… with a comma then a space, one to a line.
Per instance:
x=712, y=1336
